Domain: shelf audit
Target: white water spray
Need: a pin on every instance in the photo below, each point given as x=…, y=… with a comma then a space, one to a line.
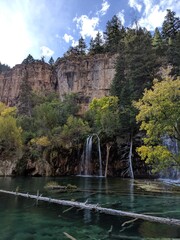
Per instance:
x=87, y=156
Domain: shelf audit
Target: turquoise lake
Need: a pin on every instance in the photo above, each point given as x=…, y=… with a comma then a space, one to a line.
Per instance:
x=21, y=219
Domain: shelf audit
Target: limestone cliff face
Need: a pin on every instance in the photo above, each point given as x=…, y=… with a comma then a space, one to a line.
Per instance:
x=89, y=76
x=39, y=75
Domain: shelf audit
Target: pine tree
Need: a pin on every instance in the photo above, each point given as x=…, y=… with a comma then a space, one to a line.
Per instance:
x=173, y=54
x=113, y=34
x=51, y=61
x=43, y=59
x=119, y=78
x=4, y=67
x=139, y=61
x=134, y=72
x=28, y=60
x=171, y=25
x=170, y=36
x=72, y=51
x=81, y=46
x=157, y=43
x=25, y=98
x=96, y=45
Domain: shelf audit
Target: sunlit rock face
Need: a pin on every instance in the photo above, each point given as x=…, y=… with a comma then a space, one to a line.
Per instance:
x=38, y=74
x=89, y=76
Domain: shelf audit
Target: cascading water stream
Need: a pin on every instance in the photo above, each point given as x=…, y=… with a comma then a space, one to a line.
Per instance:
x=87, y=157
x=100, y=158
x=172, y=146
x=88, y=152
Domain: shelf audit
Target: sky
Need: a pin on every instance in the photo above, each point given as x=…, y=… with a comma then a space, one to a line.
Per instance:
x=45, y=28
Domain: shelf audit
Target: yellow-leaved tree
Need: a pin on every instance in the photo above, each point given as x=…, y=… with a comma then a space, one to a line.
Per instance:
x=10, y=133
x=159, y=115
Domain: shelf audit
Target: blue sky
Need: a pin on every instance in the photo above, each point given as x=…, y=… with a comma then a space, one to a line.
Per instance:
x=49, y=27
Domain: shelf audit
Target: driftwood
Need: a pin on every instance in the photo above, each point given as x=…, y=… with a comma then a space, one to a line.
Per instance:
x=130, y=221
x=69, y=236
x=97, y=208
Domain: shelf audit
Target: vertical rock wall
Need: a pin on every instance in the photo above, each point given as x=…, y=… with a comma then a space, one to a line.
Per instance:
x=38, y=74
x=88, y=76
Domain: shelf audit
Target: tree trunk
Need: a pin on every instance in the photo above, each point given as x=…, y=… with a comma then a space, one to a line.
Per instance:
x=97, y=208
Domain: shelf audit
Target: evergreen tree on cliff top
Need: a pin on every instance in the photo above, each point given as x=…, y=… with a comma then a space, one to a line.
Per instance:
x=78, y=50
x=28, y=60
x=51, y=61
x=96, y=45
x=81, y=46
x=134, y=72
x=113, y=34
x=4, y=67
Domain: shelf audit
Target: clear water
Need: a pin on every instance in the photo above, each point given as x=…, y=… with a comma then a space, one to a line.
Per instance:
x=21, y=219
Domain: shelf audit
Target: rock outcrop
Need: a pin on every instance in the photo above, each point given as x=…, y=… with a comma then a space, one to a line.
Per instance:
x=88, y=76
x=38, y=74
x=7, y=167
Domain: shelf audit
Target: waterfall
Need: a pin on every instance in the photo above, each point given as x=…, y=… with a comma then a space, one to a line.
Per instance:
x=86, y=164
x=128, y=159
x=88, y=152
x=131, y=173
x=100, y=158
x=170, y=143
x=172, y=146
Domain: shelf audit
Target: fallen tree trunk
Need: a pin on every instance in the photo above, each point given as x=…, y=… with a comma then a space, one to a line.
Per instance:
x=96, y=208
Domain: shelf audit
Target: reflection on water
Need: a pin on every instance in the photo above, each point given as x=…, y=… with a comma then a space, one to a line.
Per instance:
x=21, y=219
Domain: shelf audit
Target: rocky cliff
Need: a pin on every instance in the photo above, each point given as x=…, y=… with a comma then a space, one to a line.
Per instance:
x=89, y=76
x=38, y=74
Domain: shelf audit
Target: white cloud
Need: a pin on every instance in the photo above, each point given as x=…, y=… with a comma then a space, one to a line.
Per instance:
x=148, y=4
x=154, y=18
x=105, y=7
x=170, y=4
x=74, y=43
x=153, y=15
x=67, y=38
x=135, y=4
x=87, y=25
x=120, y=15
x=46, y=52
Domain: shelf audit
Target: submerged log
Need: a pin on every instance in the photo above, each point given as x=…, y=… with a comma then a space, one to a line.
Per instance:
x=97, y=208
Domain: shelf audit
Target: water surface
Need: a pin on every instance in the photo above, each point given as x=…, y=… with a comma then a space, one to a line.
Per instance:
x=21, y=219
